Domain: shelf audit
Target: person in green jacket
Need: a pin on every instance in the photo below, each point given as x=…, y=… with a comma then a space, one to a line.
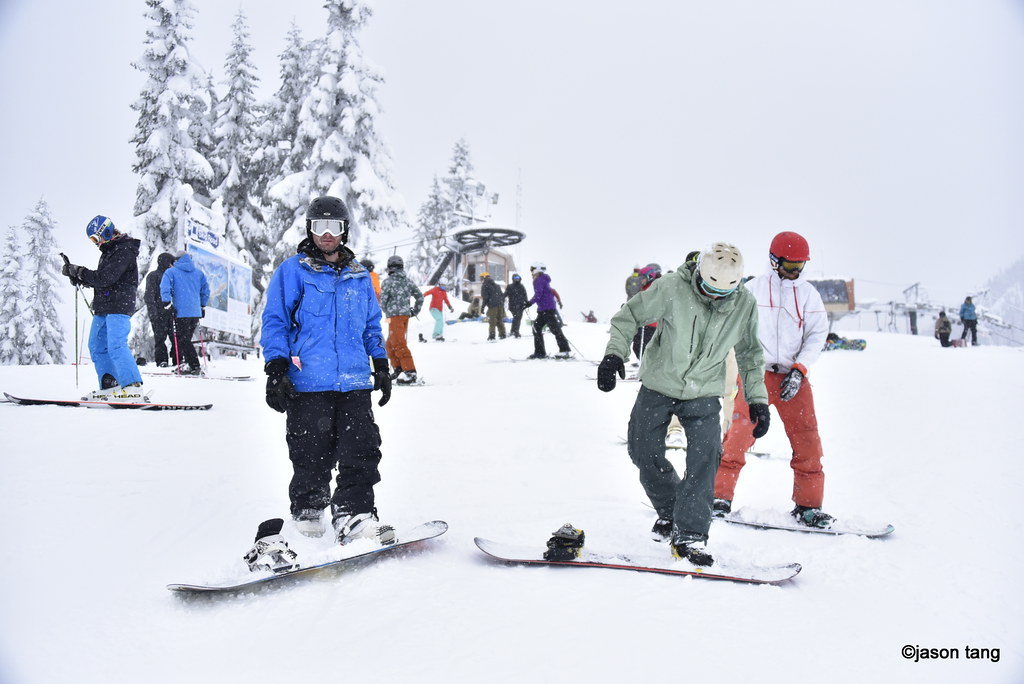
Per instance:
x=702, y=311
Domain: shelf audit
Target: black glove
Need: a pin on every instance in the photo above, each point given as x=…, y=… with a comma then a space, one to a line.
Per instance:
x=791, y=384
x=382, y=380
x=169, y=306
x=73, y=272
x=760, y=418
x=202, y=312
x=280, y=389
x=610, y=365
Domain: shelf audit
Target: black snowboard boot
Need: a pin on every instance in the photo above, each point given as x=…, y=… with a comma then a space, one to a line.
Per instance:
x=693, y=552
x=662, y=530
x=812, y=517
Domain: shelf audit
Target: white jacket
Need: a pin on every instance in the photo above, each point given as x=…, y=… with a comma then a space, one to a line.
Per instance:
x=792, y=323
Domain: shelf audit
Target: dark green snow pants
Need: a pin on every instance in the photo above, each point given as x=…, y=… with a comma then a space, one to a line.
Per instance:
x=686, y=501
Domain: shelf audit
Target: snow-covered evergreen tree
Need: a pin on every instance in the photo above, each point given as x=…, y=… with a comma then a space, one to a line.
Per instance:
x=342, y=152
x=12, y=297
x=172, y=131
x=44, y=337
x=281, y=154
x=234, y=158
x=433, y=223
x=457, y=199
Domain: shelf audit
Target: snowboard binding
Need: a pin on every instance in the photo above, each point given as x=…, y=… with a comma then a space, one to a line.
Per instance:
x=565, y=544
x=270, y=550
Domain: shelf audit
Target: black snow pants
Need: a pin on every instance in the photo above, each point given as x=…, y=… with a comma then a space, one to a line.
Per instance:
x=327, y=430
x=686, y=501
x=553, y=323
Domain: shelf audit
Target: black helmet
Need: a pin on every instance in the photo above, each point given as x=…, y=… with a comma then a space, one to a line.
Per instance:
x=367, y=264
x=395, y=263
x=327, y=207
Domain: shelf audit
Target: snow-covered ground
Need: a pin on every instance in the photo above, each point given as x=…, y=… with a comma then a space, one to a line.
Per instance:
x=103, y=508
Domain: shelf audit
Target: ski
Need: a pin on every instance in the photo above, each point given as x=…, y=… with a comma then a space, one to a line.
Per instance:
x=348, y=554
x=776, y=520
x=232, y=378
x=752, y=574
x=571, y=357
x=147, y=406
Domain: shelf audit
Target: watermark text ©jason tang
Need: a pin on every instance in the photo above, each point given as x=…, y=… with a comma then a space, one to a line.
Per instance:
x=916, y=653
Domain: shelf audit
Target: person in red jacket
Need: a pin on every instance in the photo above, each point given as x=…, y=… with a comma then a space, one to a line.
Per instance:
x=438, y=296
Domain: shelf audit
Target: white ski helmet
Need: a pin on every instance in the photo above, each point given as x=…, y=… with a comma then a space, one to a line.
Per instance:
x=721, y=269
x=538, y=266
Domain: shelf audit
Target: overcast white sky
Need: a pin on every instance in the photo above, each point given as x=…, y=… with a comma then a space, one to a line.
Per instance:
x=888, y=132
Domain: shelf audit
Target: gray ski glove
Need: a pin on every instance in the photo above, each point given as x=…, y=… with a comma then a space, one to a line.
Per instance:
x=791, y=383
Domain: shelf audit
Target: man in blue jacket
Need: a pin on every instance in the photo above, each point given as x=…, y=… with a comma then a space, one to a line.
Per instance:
x=321, y=329
x=185, y=292
x=114, y=283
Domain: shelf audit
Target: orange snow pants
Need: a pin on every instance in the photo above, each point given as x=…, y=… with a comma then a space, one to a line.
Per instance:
x=801, y=426
x=396, y=346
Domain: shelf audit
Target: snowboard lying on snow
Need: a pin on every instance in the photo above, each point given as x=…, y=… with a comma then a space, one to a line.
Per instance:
x=361, y=549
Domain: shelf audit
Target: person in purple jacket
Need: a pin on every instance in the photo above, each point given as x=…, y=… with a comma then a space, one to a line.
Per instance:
x=547, y=314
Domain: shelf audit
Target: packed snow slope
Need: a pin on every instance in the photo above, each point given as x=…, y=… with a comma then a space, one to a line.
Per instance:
x=103, y=508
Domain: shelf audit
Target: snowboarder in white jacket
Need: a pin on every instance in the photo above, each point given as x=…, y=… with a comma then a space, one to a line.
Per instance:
x=792, y=327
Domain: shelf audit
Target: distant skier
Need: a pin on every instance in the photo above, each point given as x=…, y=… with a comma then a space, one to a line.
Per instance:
x=395, y=293
x=648, y=274
x=368, y=265
x=115, y=282
x=634, y=283
x=517, y=298
x=969, y=319
x=705, y=312
x=492, y=301
x=185, y=292
x=321, y=329
x=943, y=329
x=160, y=319
x=547, y=314
x=438, y=298
x=792, y=328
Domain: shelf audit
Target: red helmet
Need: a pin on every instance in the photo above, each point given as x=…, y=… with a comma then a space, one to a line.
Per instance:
x=790, y=246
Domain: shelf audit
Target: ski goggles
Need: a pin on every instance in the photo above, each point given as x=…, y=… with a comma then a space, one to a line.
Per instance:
x=787, y=265
x=713, y=291
x=335, y=227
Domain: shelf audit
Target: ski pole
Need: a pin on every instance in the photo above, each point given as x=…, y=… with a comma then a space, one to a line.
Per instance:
x=76, y=283
x=78, y=359
x=174, y=333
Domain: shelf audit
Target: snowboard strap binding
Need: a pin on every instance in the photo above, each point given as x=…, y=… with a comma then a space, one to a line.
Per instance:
x=565, y=544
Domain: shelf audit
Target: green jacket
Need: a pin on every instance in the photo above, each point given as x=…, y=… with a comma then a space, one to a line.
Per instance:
x=686, y=357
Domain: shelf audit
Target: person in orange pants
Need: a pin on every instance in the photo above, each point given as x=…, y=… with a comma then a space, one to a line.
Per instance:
x=801, y=427
x=792, y=326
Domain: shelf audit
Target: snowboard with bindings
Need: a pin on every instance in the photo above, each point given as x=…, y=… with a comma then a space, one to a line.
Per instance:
x=357, y=550
x=777, y=520
x=141, y=406
x=667, y=565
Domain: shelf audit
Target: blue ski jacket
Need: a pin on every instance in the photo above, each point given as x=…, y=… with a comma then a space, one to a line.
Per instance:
x=186, y=287
x=325, y=318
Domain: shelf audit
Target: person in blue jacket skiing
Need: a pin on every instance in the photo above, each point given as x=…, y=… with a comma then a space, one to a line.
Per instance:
x=185, y=292
x=321, y=331
x=114, y=282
